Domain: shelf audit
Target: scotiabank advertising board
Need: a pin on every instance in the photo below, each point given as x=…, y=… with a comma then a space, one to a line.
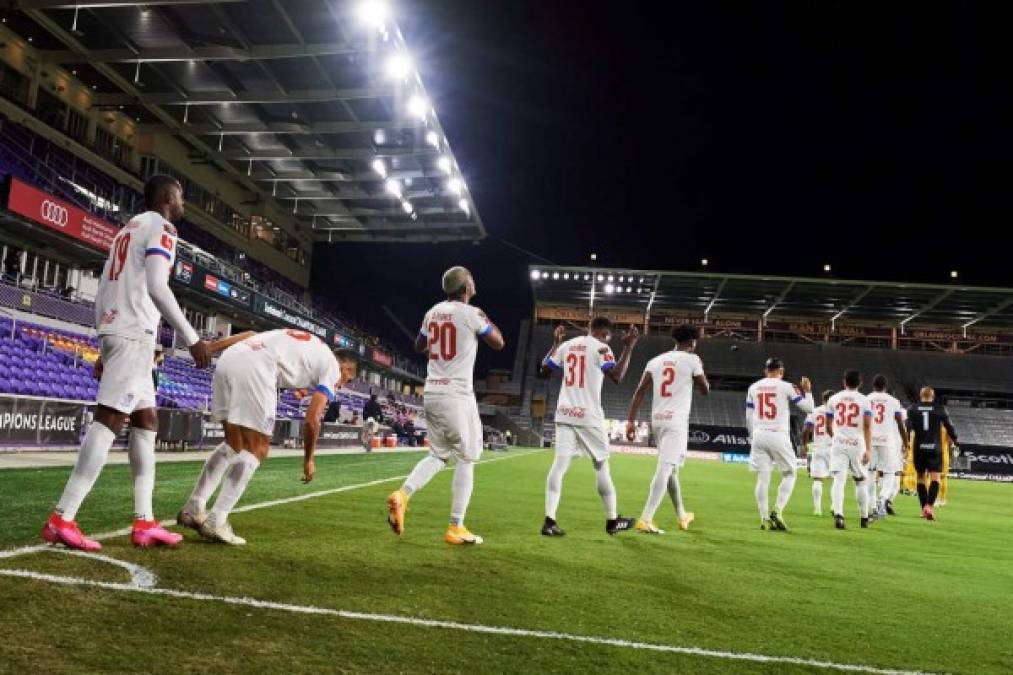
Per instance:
x=52, y=212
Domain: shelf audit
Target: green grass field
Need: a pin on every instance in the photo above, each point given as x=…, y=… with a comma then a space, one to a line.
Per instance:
x=906, y=594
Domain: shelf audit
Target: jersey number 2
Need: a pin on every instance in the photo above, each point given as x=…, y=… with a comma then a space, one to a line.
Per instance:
x=667, y=378
x=442, y=341
x=120, y=248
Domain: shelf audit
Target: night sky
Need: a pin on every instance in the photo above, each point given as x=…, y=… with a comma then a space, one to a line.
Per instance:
x=767, y=138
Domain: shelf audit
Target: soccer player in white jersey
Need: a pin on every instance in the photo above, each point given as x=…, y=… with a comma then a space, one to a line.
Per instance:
x=670, y=377
x=768, y=418
x=889, y=438
x=450, y=333
x=580, y=423
x=849, y=423
x=244, y=400
x=133, y=293
x=816, y=441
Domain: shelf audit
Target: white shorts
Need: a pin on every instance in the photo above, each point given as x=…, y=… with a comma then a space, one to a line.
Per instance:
x=770, y=450
x=672, y=443
x=848, y=458
x=126, y=383
x=819, y=463
x=454, y=427
x=573, y=440
x=886, y=459
x=245, y=390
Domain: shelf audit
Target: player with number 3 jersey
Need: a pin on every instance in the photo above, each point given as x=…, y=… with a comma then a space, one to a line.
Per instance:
x=449, y=335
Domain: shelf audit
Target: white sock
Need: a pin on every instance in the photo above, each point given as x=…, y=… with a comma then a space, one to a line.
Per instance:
x=862, y=495
x=423, y=472
x=90, y=460
x=784, y=490
x=141, y=452
x=817, y=495
x=762, y=486
x=210, y=476
x=659, y=484
x=675, y=492
x=236, y=480
x=837, y=493
x=554, y=484
x=889, y=489
x=870, y=490
x=460, y=491
x=607, y=490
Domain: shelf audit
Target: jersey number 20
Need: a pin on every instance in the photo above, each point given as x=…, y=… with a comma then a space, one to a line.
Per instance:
x=442, y=341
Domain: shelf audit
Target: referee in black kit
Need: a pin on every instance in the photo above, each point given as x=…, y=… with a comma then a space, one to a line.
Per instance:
x=925, y=421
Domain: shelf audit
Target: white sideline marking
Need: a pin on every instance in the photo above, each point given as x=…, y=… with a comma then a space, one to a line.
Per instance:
x=35, y=548
x=454, y=625
x=140, y=577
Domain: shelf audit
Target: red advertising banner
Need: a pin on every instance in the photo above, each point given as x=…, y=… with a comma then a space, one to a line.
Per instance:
x=383, y=358
x=54, y=213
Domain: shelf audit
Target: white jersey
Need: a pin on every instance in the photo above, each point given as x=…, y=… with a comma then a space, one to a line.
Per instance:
x=122, y=305
x=672, y=376
x=584, y=361
x=301, y=360
x=886, y=410
x=768, y=402
x=817, y=422
x=452, y=329
x=848, y=409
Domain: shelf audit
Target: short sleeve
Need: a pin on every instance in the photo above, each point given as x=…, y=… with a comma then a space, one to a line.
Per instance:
x=793, y=394
x=810, y=420
x=697, y=366
x=830, y=408
x=606, y=359
x=479, y=322
x=424, y=330
x=555, y=363
x=161, y=241
x=868, y=408
x=749, y=398
x=330, y=374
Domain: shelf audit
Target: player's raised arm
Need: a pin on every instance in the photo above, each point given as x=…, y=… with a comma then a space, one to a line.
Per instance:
x=157, y=265
x=805, y=401
x=489, y=332
x=700, y=381
x=638, y=397
x=630, y=338
x=549, y=363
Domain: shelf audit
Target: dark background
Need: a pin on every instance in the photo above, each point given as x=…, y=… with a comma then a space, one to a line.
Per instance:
x=767, y=138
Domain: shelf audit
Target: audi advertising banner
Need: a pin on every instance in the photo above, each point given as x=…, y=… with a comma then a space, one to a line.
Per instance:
x=52, y=212
x=37, y=421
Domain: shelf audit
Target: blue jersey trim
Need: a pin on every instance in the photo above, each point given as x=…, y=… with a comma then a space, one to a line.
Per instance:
x=158, y=251
x=326, y=391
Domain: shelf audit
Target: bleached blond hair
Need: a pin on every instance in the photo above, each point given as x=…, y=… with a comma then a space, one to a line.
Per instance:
x=455, y=279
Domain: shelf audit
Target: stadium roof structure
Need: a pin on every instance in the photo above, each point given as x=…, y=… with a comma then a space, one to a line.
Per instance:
x=833, y=300
x=316, y=104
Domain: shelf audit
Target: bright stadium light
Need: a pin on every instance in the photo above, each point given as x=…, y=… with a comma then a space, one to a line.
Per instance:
x=464, y=206
x=379, y=137
x=393, y=187
x=433, y=138
x=826, y=268
x=587, y=277
x=594, y=256
x=601, y=278
x=379, y=167
x=373, y=13
x=407, y=206
x=399, y=66
x=609, y=288
x=555, y=276
x=418, y=106
x=444, y=164
x=566, y=276
x=455, y=185
x=954, y=274
x=629, y=289
x=611, y=278
x=704, y=262
x=536, y=275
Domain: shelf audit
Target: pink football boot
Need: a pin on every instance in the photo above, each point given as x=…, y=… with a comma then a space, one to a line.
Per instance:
x=150, y=533
x=60, y=531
